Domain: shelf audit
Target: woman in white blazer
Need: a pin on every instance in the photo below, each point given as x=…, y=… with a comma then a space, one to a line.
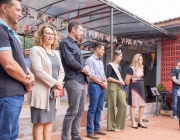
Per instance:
x=45, y=64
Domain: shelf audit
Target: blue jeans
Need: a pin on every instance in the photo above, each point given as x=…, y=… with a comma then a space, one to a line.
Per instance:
x=96, y=96
x=175, y=102
x=10, y=108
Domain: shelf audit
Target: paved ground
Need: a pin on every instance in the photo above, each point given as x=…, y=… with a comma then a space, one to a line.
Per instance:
x=159, y=128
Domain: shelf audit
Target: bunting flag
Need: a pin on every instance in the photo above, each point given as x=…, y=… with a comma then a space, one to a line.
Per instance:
x=20, y=28
x=27, y=29
x=39, y=17
x=101, y=36
x=60, y=25
x=33, y=14
x=64, y=24
x=95, y=34
x=25, y=11
x=85, y=32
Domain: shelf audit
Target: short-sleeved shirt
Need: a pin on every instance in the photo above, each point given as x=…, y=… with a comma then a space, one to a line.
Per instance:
x=112, y=73
x=96, y=67
x=72, y=60
x=130, y=71
x=8, y=85
x=175, y=72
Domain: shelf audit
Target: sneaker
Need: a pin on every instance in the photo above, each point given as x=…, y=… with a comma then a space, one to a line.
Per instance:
x=92, y=136
x=175, y=118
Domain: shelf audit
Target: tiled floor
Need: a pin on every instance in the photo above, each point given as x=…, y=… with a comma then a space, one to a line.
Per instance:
x=159, y=128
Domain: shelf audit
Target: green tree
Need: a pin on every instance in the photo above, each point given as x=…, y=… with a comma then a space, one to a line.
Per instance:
x=26, y=42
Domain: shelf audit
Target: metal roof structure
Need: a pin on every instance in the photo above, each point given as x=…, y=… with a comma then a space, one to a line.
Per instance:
x=100, y=15
x=167, y=20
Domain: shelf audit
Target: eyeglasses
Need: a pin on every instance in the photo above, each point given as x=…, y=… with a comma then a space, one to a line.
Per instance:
x=49, y=34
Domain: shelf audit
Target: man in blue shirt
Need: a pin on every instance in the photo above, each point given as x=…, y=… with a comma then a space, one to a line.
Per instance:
x=96, y=90
x=15, y=78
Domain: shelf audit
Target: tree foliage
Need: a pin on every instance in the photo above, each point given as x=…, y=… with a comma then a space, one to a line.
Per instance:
x=27, y=43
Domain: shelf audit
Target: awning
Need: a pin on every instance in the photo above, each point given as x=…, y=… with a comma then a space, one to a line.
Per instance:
x=96, y=15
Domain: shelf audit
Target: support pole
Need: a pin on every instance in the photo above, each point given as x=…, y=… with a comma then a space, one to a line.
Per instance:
x=111, y=33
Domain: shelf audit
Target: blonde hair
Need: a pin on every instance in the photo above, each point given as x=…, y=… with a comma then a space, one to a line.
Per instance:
x=38, y=38
x=135, y=62
x=115, y=53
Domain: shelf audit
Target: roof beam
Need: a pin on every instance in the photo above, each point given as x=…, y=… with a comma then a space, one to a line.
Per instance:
x=99, y=18
x=113, y=24
x=126, y=33
x=50, y=5
x=86, y=14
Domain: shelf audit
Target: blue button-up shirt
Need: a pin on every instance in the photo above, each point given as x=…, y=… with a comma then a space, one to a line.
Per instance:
x=96, y=67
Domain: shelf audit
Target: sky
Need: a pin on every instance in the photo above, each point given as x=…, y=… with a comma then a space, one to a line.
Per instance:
x=151, y=10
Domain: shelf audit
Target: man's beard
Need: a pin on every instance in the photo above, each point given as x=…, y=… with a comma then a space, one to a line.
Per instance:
x=77, y=38
x=12, y=21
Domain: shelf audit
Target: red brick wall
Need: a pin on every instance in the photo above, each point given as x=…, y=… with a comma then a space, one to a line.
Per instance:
x=170, y=54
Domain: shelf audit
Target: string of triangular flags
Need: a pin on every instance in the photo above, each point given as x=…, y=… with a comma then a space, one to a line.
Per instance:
x=43, y=18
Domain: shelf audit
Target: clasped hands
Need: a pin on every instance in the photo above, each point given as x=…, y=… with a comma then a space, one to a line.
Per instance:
x=57, y=89
x=104, y=85
x=86, y=70
x=121, y=82
x=29, y=82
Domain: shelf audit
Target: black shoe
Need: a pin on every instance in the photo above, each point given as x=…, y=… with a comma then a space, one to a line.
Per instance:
x=77, y=138
x=139, y=125
x=92, y=136
x=135, y=127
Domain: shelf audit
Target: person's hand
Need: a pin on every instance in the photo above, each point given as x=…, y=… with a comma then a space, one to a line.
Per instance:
x=56, y=93
x=59, y=85
x=61, y=94
x=30, y=82
x=104, y=85
x=86, y=70
x=28, y=89
x=121, y=83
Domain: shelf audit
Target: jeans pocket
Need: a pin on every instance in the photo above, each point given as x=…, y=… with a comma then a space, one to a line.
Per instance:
x=94, y=90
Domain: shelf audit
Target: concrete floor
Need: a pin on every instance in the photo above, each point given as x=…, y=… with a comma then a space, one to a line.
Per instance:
x=159, y=128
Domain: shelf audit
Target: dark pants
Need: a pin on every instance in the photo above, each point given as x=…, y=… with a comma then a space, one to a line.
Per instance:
x=10, y=108
x=96, y=96
x=76, y=100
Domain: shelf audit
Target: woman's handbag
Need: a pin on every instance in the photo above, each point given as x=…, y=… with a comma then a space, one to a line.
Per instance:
x=119, y=77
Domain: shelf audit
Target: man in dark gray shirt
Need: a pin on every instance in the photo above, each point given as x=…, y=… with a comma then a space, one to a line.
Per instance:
x=15, y=78
x=75, y=78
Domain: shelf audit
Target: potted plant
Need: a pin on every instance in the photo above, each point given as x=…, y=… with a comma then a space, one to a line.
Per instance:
x=161, y=88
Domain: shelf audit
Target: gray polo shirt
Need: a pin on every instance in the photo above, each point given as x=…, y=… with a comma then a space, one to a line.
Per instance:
x=8, y=85
x=96, y=67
